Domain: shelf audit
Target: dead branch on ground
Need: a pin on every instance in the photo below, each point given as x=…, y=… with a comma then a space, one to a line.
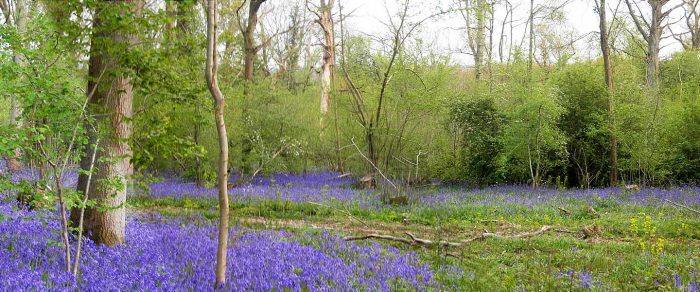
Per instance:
x=413, y=240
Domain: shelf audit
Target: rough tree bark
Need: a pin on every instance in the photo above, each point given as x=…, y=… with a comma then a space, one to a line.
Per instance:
x=111, y=107
x=605, y=49
x=212, y=83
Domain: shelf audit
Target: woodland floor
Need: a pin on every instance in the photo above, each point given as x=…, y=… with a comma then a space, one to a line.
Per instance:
x=588, y=246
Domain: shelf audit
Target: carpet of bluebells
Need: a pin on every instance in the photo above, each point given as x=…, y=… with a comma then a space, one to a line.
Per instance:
x=169, y=254
x=330, y=187
x=177, y=253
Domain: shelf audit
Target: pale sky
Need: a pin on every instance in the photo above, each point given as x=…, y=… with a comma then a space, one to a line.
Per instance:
x=447, y=33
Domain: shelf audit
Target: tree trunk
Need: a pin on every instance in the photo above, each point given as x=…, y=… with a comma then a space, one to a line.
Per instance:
x=111, y=107
x=605, y=49
x=651, y=31
x=531, y=47
x=653, y=46
x=251, y=49
x=476, y=36
x=15, y=18
x=171, y=12
x=19, y=18
x=327, y=69
x=480, y=39
x=212, y=82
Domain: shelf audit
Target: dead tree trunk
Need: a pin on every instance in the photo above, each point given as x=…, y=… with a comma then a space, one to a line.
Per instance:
x=212, y=83
x=111, y=107
x=605, y=49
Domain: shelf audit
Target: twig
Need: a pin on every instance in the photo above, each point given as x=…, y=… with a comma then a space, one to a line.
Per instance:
x=372, y=163
x=277, y=153
x=344, y=175
x=682, y=206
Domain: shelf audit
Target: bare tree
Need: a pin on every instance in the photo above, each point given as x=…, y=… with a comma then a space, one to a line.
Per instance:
x=110, y=105
x=212, y=82
x=605, y=49
x=546, y=10
x=507, y=19
x=287, y=48
x=690, y=39
x=401, y=29
x=651, y=31
x=531, y=46
x=477, y=14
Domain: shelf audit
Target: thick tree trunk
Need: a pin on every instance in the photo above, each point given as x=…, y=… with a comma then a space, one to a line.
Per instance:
x=111, y=107
x=605, y=49
x=212, y=82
